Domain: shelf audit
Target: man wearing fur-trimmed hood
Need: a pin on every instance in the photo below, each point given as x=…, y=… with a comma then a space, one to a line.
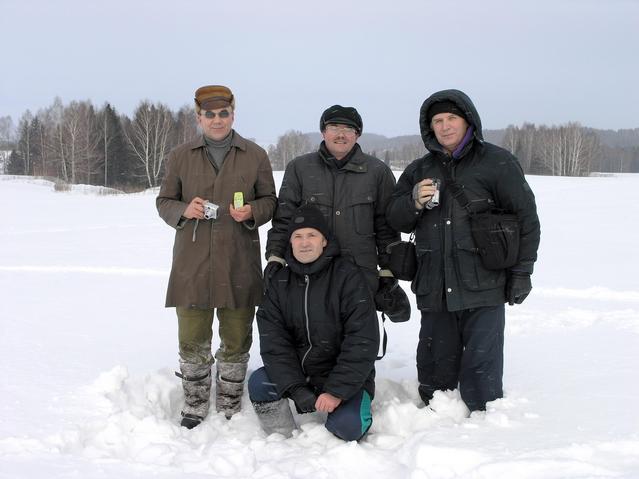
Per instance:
x=461, y=300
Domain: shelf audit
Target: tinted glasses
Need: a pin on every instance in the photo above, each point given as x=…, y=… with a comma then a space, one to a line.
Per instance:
x=211, y=114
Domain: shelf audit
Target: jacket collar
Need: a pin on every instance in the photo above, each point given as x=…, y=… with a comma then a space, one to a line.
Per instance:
x=320, y=264
x=356, y=161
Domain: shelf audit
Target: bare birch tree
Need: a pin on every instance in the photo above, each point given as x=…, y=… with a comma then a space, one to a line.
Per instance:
x=186, y=125
x=148, y=136
x=291, y=144
x=25, y=143
x=567, y=150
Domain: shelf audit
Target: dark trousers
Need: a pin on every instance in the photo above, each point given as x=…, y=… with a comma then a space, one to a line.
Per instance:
x=349, y=421
x=464, y=348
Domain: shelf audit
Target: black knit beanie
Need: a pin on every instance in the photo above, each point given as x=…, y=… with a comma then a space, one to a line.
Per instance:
x=308, y=216
x=445, y=106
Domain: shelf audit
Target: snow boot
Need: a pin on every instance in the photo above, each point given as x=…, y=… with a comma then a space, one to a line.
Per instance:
x=229, y=387
x=275, y=417
x=190, y=421
x=196, y=383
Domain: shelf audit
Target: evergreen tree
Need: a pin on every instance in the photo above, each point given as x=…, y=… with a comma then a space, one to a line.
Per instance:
x=115, y=157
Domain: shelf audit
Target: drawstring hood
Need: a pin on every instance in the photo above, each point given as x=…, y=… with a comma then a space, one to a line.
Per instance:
x=466, y=106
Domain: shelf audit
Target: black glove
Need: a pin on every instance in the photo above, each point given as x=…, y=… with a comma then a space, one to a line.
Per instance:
x=383, y=295
x=518, y=287
x=272, y=267
x=303, y=397
x=391, y=300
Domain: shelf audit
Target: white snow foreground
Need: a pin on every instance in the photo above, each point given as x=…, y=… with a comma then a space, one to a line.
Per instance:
x=88, y=354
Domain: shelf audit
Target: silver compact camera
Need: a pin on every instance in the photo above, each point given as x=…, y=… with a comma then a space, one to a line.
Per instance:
x=210, y=210
x=434, y=200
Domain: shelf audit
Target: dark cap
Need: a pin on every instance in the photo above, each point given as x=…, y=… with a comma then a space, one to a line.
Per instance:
x=342, y=115
x=212, y=97
x=445, y=106
x=308, y=216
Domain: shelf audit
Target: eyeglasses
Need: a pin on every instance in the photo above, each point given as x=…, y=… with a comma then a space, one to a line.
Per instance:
x=211, y=114
x=347, y=130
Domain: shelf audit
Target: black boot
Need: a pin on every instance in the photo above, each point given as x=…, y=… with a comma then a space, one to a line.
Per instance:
x=189, y=421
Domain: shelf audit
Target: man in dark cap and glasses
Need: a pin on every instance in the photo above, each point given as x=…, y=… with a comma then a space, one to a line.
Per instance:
x=352, y=190
x=217, y=190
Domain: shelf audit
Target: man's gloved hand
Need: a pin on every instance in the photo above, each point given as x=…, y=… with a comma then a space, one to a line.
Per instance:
x=272, y=267
x=383, y=298
x=391, y=300
x=303, y=397
x=518, y=287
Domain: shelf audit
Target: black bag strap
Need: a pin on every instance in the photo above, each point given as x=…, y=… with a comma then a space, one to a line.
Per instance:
x=384, y=340
x=411, y=239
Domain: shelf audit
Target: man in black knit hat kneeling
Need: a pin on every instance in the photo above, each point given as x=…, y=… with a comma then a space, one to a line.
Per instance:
x=318, y=336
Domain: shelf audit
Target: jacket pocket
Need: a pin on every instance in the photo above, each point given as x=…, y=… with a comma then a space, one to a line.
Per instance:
x=322, y=203
x=422, y=282
x=363, y=208
x=470, y=269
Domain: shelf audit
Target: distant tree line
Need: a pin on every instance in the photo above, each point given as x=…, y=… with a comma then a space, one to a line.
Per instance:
x=79, y=143
x=572, y=150
x=564, y=150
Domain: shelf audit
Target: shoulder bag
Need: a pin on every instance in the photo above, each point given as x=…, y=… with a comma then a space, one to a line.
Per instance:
x=495, y=231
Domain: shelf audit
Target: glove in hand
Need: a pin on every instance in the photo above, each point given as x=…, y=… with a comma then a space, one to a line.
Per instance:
x=271, y=268
x=391, y=300
x=303, y=397
x=518, y=287
x=383, y=297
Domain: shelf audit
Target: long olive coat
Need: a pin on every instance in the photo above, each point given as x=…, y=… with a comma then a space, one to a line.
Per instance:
x=216, y=263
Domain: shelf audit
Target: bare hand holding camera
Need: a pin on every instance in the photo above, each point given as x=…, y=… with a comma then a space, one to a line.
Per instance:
x=426, y=193
x=200, y=209
x=195, y=210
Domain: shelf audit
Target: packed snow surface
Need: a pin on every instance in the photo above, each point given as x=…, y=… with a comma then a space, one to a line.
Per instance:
x=88, y=354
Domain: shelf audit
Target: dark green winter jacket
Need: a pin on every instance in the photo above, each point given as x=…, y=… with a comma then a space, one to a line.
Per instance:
x=450, y=275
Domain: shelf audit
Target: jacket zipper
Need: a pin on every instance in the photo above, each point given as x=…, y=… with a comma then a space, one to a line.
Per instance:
x=308, y=329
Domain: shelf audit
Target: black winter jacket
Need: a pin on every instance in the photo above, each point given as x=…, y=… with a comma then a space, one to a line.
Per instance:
x=450, y=275
x=353, y=200
x=318, y=324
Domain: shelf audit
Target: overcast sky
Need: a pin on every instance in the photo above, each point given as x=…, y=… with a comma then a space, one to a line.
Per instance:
x=541, y=61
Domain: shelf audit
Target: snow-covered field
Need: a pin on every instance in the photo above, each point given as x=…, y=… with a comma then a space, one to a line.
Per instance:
x=88, y=353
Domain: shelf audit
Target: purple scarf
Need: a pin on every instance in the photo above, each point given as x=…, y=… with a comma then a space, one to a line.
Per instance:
x=467, y=138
